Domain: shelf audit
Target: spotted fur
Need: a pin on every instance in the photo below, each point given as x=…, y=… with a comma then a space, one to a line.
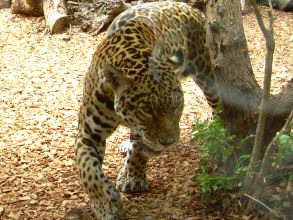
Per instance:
x=134, y=80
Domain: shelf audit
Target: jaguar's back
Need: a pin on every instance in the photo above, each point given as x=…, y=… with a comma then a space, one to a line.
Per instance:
x=178, y=36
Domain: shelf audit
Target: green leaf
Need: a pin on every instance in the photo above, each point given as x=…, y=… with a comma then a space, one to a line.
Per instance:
x=284, y=138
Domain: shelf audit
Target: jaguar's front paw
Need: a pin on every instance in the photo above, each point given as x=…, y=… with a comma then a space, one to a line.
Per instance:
x=109, y=211
x=132, y=184
x=109, y=206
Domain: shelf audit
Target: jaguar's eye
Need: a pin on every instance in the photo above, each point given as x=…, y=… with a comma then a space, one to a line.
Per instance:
x=147, y=109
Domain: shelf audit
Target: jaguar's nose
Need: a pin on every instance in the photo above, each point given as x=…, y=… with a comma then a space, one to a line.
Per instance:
x=167, y=141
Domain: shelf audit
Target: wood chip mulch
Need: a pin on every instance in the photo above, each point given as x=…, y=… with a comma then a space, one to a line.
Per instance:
x=40, y=88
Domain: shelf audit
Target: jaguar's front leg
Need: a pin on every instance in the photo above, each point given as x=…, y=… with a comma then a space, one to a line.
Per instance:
x=90, y=147
x=132, y=177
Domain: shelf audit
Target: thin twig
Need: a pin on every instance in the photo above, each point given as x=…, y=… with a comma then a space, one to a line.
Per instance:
x=261, y=203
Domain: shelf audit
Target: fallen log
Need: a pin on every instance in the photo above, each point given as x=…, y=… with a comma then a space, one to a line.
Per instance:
x=27, y=7
x=5, y=4
x=55, y=12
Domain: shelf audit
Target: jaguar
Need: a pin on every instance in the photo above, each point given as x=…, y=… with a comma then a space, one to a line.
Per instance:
x=134, y=80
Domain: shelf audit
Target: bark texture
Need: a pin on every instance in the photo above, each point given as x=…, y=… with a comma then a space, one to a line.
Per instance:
x=239, y=90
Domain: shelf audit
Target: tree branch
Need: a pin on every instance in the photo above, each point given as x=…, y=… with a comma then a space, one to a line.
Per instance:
x=266, y=166
x=270, y=45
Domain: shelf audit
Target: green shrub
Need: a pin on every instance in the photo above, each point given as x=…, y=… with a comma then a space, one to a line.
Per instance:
x=214, y=138
x=285, y=150
x=217, y=145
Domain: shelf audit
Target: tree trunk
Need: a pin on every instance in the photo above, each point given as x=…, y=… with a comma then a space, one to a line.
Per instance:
x=239, y=90
x=54, y=10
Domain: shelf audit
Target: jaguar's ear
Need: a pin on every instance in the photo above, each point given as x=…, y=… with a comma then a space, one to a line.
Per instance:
x=116, y=77
x=175, y=62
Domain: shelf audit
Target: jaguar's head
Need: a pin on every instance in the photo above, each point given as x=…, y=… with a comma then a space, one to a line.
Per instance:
x=150, y=102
